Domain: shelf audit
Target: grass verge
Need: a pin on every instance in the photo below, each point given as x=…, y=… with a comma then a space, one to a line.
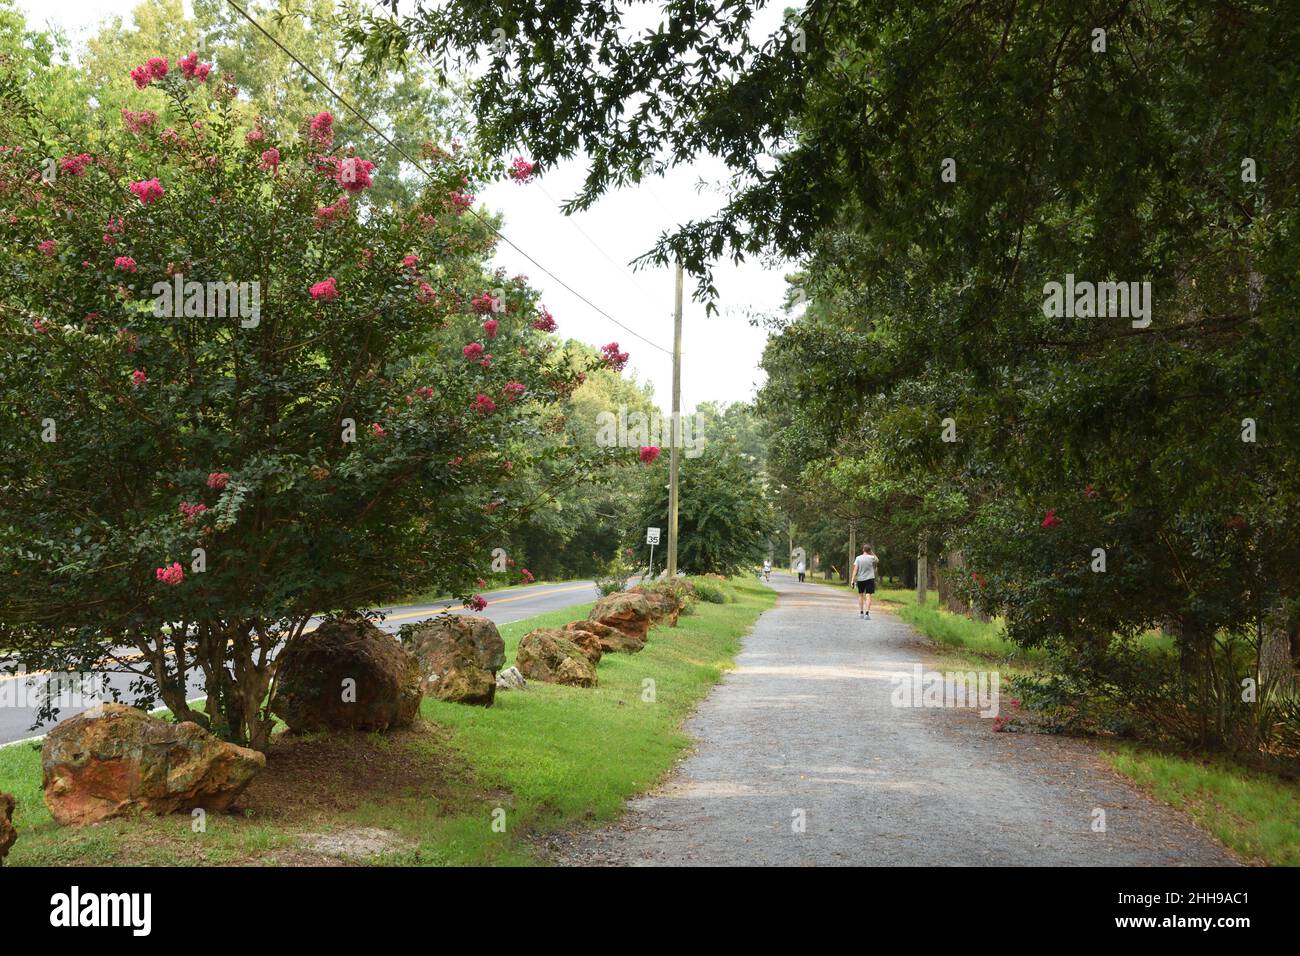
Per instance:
x=1257, y=814
x=470, y=786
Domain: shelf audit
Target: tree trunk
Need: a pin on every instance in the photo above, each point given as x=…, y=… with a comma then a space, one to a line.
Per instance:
x=853, y=553
x=949, y=595
x=922, y=572
x=1276, y=667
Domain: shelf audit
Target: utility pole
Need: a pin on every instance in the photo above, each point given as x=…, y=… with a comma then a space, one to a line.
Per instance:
x=676, y=428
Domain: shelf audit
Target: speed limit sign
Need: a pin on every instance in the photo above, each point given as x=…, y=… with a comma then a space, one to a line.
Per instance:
x=651, y=535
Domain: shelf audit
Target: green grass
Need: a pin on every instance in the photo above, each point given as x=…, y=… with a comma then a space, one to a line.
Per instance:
x=548, y=757
x=1256, y=814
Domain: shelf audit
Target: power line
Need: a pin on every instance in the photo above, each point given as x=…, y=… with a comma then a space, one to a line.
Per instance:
x=401, y=152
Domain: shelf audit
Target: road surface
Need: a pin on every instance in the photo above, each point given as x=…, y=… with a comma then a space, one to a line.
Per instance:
x=805, y=758
x=503, y=607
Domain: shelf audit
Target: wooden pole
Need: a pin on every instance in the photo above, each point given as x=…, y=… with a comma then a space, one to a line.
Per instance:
x=676, y=428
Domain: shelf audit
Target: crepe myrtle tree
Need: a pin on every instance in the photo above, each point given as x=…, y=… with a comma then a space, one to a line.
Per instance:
x=235, y=395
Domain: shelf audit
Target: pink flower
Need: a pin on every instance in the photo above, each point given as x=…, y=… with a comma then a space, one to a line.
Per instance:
x=271, y=160
x=141, y=77
x=545, y=322
x=328, y=214
x=490, y=327
x=378, y=430
x=514, y=391
x=425, y=293
x=484, y=303
x=172, y=575
x=191, y=511
x=648, y=454
x=481, y=583
x=47, y=247
x=157, y=67
x=322, y=128
x=411, y=261
x=473, y=351
x=40, y=326
x=139, y=377
x=476, y=603
x=75, y=165
x=521, y=170
x=526, y=575
x=460, y=202
x=484, y=405
x=353, y=174
x=147, y=191
x=218, y=480
x=326, y=289
x=612, y=357
x=1089, y=491
x=125, y=263
x=1050, y=520
x=424, y=391
x=137, y=123
x=192, y=69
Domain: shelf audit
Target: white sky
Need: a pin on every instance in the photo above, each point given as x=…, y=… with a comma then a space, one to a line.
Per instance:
x=589, y=251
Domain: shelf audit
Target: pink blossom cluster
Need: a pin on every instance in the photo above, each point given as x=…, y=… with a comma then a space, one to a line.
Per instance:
x=321, y=128
x=514, y=391
x=484, y=405
x=147, y=191
x=170, y=575
x=649, y=454
x=192, y=69
x=191, y=511
x=545, y=322
x=125, y=263
x=75, y=165
x=353, y=173
x=137, y=122
x=521, y=170
x=476, y=603
x=328, y=214
x=270, y=160
x=218, y=480
x=490, y=328
x=461, y=202
x=483, y=303
x=326, y=290
x=612, y=357
x=154, y=69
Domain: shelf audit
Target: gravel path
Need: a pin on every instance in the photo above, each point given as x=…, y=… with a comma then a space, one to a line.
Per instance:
x=804, y=730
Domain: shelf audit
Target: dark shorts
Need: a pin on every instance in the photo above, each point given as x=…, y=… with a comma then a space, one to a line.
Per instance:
x=867, y=587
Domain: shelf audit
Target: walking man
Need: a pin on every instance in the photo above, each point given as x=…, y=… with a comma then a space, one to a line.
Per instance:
x=864, y=575
x=799, y=569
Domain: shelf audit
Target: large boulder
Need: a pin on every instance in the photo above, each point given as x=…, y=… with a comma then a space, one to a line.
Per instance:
x=612, y=640
x=587, y=642
x=511, y=679
x=668, y=598
x=626, y=611
x=114, y=759
x=459, y=656
x=549, y=656
x=8, y=835
x=346, y=675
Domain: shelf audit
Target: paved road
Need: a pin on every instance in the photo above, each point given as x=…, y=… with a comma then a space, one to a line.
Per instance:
x=503, y=607
x=803, y=730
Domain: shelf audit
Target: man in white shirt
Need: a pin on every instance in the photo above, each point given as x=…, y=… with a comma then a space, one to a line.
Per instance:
x=799, y=569
x=864, y=576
